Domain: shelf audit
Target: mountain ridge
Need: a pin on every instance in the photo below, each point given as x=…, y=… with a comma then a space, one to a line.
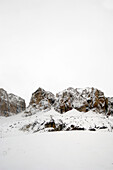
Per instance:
x=70, y=109
x=81, y=99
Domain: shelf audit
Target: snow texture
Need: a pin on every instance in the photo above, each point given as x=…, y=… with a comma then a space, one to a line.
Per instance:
x=54, y=121
x=24, y=146
x=58, y=151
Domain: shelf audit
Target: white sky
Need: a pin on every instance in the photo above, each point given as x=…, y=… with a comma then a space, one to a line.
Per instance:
x=55, y=44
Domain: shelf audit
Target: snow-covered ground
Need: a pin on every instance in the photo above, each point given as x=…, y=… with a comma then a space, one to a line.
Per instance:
x=63, y=150
x=58, y=151
x=73, y=119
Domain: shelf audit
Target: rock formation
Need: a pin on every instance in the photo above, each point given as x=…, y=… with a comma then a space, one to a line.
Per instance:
x=41, y=95
x=10, y=103
x=41, y=100
x=110, y=105
x=81, y=99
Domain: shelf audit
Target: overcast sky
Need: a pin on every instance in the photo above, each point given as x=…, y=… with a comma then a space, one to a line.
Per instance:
x=55, y=44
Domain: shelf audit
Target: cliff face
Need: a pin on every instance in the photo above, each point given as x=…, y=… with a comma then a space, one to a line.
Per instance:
x=40, y=97
x=17, y=104
x=41, y=100
x=10, y=103
x=4, y=103
x=110, y=105
x=82, y=100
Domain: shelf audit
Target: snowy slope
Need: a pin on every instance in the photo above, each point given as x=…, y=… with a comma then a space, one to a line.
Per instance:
x=22, y=149
x=58, y=151
x=54, y=121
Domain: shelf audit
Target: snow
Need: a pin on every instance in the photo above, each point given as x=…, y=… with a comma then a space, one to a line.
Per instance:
x=90, y=120
x=58, y=151
x=63, y=150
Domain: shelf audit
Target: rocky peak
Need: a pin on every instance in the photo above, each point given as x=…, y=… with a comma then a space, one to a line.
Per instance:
x=81, y=99
x=40, y=95
x=41, y=100
x=10, y=103
x=3, y=93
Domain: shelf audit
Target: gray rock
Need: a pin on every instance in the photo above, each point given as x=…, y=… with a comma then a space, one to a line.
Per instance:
x=10, y=103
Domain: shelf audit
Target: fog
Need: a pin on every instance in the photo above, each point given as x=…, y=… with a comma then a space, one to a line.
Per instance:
x=55, y=44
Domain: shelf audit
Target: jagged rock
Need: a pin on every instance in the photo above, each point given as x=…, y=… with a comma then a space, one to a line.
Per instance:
x=41, y=100
x=10, y=103
x=17, y=104
x=110, y=106
x=39, y=95
x=55, y=126
x=81, y=99
x=71, y=120
x=4, y=103
x=64, y=100
x=49, y=125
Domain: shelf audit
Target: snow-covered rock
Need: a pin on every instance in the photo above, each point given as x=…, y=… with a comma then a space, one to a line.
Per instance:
x=41, y=100
x=17, y=104
x=4, y=103
x=81, y=99
x=18, y=136
x=110, y=105
x=10, y=103
x=71, y=120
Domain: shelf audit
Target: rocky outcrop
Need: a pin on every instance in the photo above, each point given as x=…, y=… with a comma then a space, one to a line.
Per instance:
x=71, y=120
x=110, y=106
x=41, y=95
x=64, y=100
x=41, y=100
x=17, y=104
x=4, y=103
x=10, y=103
x=81, y=99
